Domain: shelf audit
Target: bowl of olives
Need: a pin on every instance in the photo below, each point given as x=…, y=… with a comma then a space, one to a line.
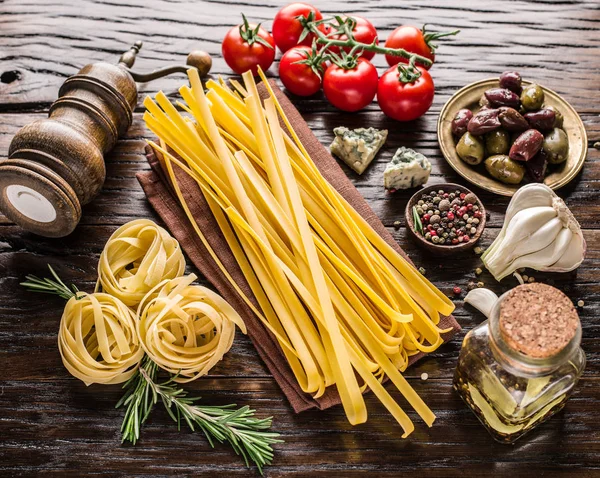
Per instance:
x=502, y=133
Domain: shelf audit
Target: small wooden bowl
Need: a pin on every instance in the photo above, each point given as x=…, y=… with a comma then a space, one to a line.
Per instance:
x=442, y=249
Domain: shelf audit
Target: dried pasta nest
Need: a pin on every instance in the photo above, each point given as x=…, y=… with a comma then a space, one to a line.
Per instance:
x=98, y=339
x=186, y=329
x=138, y=256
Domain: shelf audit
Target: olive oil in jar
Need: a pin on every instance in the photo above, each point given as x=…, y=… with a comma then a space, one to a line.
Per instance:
x=518, y=368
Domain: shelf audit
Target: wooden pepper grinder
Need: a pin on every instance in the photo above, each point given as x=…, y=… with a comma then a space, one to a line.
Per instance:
x=56, y=165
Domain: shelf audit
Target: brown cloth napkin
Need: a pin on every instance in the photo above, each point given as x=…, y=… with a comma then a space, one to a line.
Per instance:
x=161, y=197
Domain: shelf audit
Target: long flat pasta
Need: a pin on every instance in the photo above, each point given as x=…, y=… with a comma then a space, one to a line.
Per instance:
x=346, y=308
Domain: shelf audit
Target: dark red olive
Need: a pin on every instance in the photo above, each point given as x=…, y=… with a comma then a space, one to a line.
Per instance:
x=511, y=80
x=512, y=120
x=460, y=122
x=484, y=122
x=541, y=119
x=536, y=167
x=526, y=146
x=502, y=97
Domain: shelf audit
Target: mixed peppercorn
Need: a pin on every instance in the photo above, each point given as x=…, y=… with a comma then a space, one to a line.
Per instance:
x=447, y=218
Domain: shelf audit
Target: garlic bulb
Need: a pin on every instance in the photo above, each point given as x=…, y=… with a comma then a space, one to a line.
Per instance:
x=539, y=232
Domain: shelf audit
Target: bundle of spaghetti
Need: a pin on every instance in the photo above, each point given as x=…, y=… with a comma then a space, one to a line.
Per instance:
x=136, y=257
x=346, y=308
x=186, y=329
x=98, y=339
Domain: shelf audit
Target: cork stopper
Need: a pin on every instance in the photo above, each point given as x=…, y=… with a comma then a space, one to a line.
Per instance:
x=537, y=320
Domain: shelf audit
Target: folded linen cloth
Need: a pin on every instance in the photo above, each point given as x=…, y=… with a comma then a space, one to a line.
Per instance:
x=160, y=194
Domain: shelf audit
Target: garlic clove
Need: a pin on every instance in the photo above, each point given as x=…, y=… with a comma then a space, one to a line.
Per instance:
x=542, y=258
x=572, y=258
x=525, y=223
x=482, y=299
x=539, y=239
x=530, y=195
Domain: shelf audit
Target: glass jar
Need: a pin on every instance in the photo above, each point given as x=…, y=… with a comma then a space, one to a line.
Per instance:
x=510, y=392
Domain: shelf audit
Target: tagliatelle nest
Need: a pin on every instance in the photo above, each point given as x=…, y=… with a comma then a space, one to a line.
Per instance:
x=186, y=329
x=138, y=256
x=98, y=339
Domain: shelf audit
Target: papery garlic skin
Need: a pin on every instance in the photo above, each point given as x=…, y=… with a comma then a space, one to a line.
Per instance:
x=539, y=232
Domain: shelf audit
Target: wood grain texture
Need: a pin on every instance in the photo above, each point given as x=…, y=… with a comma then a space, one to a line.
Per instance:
x=51, y=423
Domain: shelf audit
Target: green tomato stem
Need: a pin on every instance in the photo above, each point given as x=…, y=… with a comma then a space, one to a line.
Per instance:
x=352, y=43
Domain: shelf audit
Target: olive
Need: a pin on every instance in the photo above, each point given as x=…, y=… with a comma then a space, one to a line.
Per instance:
x=532, y=97
x=512, y=120
x=558, y=117
x=505, y=169
x=470, y=149
x=497, y=142
x=460, y=121
x=526, y=146
x=502, y=97
x=556, y=146
x=484, y=121
x=542, y=120
x=536, y=166
x=511, y=80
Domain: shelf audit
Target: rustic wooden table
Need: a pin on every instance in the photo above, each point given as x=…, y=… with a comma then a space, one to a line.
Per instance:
x=52, y=423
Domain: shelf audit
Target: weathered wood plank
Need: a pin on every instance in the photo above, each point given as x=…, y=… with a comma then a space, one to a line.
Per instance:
x=526, y=35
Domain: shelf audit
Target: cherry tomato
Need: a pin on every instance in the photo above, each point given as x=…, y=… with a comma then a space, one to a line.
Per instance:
x=287, y=29
x=411, y=39
x=299, y=78
x=405, y=101
x=248, y=46
x=350, y=90
x=364, y=32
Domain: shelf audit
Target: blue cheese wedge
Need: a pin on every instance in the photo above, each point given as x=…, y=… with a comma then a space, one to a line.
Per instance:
x=357, y=147
x=407, y=169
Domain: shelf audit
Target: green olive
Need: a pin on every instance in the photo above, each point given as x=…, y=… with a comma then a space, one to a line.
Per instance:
x=558, y=117
x=470, y=149
x=532, y=97
x=556, y=146
x=497, y=142
x=504, y=169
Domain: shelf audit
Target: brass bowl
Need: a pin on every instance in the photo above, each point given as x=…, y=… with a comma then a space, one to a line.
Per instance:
x=468, y=97
x=442, y=249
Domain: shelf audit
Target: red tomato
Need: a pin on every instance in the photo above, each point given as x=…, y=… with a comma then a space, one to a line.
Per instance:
x=248, y=46
x=405, y=101
x=410, y=39
x=299, y=78
x=287, y=28
x=350, y=90
x=364, y=32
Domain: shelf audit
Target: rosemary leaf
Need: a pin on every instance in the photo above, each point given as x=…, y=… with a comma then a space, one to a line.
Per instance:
x=417, y=221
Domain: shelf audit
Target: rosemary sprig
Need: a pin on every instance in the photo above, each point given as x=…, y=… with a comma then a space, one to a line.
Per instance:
x=49, y=286
x=247, y=435
x=417, y=221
